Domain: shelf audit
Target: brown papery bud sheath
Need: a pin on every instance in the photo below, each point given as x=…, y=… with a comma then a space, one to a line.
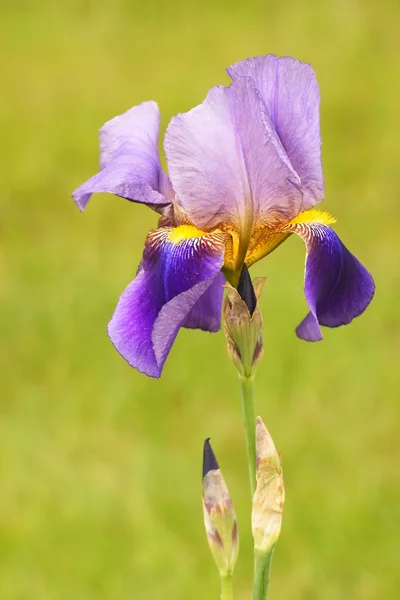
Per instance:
x=269, y=497
x=243, y=324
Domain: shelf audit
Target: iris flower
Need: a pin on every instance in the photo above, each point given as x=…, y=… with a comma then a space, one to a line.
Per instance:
x=244, y=174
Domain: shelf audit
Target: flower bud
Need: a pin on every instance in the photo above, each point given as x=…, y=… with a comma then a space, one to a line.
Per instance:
x=243, y=323
x=269, y=496
x=219, y=514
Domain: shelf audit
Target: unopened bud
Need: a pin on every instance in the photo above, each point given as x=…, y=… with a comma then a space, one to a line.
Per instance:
x=269, y=497
x=243, y=323
x=219, y=514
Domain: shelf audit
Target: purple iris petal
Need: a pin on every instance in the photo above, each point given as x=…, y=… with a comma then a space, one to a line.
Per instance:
x=290, y=91
x=337, y=286
x=206, y=313
x=173, y=278
x=129, y=162
x=226, y=162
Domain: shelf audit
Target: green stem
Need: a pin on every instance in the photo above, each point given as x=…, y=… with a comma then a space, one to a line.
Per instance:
x=262, y=560
x=247, y=388
x=262, y=567
x=226, y=587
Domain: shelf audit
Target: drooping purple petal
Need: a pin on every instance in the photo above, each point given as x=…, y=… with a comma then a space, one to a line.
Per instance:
x=291, y=94
x=173, y=278
x=227, y=164
x=206, y=313
x=337, y=286
x=130, y=164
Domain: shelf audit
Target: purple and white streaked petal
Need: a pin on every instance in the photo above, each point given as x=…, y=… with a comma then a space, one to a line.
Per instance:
x=130, y=164
x=173, y=278
x=337, y=286
x=291, y=94
x=235, y=168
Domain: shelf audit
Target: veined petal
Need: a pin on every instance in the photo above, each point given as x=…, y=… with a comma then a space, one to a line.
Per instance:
x=337, y=286
x=227, y=164
x=172, y=289
x=291, y=94
x=130, y=164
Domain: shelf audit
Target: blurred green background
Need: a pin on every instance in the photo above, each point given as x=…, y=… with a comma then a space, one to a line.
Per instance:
x=99, y=465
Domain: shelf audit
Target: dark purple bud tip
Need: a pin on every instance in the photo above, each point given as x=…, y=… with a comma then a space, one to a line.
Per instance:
x=246, y=290
x=209, y=460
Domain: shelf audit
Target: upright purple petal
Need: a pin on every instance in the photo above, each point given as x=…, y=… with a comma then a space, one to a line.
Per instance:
x=227, y=164
x=291, y=94
x=337, y=286
x=129, y=162
x=173, y=279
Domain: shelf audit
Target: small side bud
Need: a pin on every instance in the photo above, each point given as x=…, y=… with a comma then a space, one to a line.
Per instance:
x=219, y=514
x=269, y=497
x=243, y=323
